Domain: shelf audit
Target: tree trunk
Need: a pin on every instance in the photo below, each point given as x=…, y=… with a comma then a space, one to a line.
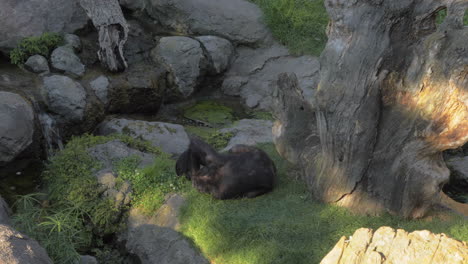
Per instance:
x=108, y=19
x=393, y=95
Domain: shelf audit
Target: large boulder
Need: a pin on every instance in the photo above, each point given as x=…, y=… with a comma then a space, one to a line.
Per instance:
x=37, y=64
x=16, y=125
x=253, y=75
x=26, y=18
x=249, y=132
x=387, y=245
x=140, y=89
x=219, y=52
x=100, y=86
x=183, y=57
x=154, y=238
x=64, y=59
x=4, y=212
x=171, y=138
x=65, y=97
x=236, y=20
x=16, y=248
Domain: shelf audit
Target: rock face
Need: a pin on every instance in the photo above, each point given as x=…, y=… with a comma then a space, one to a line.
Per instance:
x=108, y=154
x=184, y=59
x=236, y=20
x=154, y=240
x=65, y=97
x=20, y=19
x=219, y=52
x=390, y=246
x=249, y=132
x=72, y=41
x=140, y=89
x=170, y=138
x=16, y=125
x=64, y=59
x=100, y=86
x=253, y=74
x=4, y=212
x=37, y=64
x=16, y=248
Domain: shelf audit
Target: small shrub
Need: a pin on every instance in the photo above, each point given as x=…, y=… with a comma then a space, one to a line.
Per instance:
x=41, y=45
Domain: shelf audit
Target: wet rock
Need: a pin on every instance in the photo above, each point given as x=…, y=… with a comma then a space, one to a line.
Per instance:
x=171, y=138
x=387, y=245
x=64, y=59
x=220, y=52
x=72, y=41
x=37, y=64
x=154, y=240
x=183, y=58
x=236, y=20
x=100, y=86
x=20, y=19
x=249, y=132
x=65, y=97
x=16, y=248
x=140, y=89
x=16, y=125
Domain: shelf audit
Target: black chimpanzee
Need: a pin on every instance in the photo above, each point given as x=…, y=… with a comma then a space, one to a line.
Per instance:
x=244, y=171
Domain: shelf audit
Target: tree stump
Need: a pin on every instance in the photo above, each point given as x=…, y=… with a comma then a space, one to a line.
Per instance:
x=112, y=27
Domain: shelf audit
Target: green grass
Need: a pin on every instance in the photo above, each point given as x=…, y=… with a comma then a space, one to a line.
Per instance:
x=210, y=112
x=298, y=24
x=211, y=135
x=285, y=226
x=41, y=45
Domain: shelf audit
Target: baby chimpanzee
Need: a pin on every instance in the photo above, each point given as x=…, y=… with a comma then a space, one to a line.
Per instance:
x=243, y=171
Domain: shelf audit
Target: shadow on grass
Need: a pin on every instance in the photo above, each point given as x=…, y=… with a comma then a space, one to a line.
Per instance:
x=285, y=226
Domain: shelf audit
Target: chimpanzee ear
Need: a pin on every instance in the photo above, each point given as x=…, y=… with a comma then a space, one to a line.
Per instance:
x=183, y=163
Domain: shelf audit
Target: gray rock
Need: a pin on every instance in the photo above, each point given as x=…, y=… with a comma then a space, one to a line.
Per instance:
x=65, y=97
x=220, y=52
x=86, y=259
x=154, y=240
x=64, y=59
x=236, y=20
x=4, y=212
x=16, y=248
x=171, y=138
x=133, y=4
x=183, y=57
x=37, y=64
x=72, y=41
x=108, y=154
x=139, y=42
x=233, y=85
x=16, y=125
x=20, y=19
x=256, y=71
x=459, y=169
x=100, y=86
x=249, y=132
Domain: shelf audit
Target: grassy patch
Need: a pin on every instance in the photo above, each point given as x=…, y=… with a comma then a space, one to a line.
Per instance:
x=298, y=24
x=285, y=226
x=211, y=135
x=210, y=112
x=41, y=45
x=264, y=115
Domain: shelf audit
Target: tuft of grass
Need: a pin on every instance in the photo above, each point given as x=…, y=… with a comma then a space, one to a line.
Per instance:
x=151, y=184
x=41, y=45
x=298, y=24
x=210, y=112
x=285, y=226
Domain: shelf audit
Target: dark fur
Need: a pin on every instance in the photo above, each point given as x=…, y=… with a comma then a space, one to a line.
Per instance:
x=244, y=171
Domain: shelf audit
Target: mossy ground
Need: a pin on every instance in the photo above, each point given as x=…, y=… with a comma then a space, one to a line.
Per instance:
x=210, y=112
x=298, y=24
x=285, y=226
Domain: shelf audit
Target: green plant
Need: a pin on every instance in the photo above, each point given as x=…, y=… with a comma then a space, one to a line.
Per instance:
x=298, y=24
x=41, y=45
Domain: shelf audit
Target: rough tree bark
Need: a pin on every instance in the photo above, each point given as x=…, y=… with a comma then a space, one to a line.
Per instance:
x=108, y=19
x=393, y=95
